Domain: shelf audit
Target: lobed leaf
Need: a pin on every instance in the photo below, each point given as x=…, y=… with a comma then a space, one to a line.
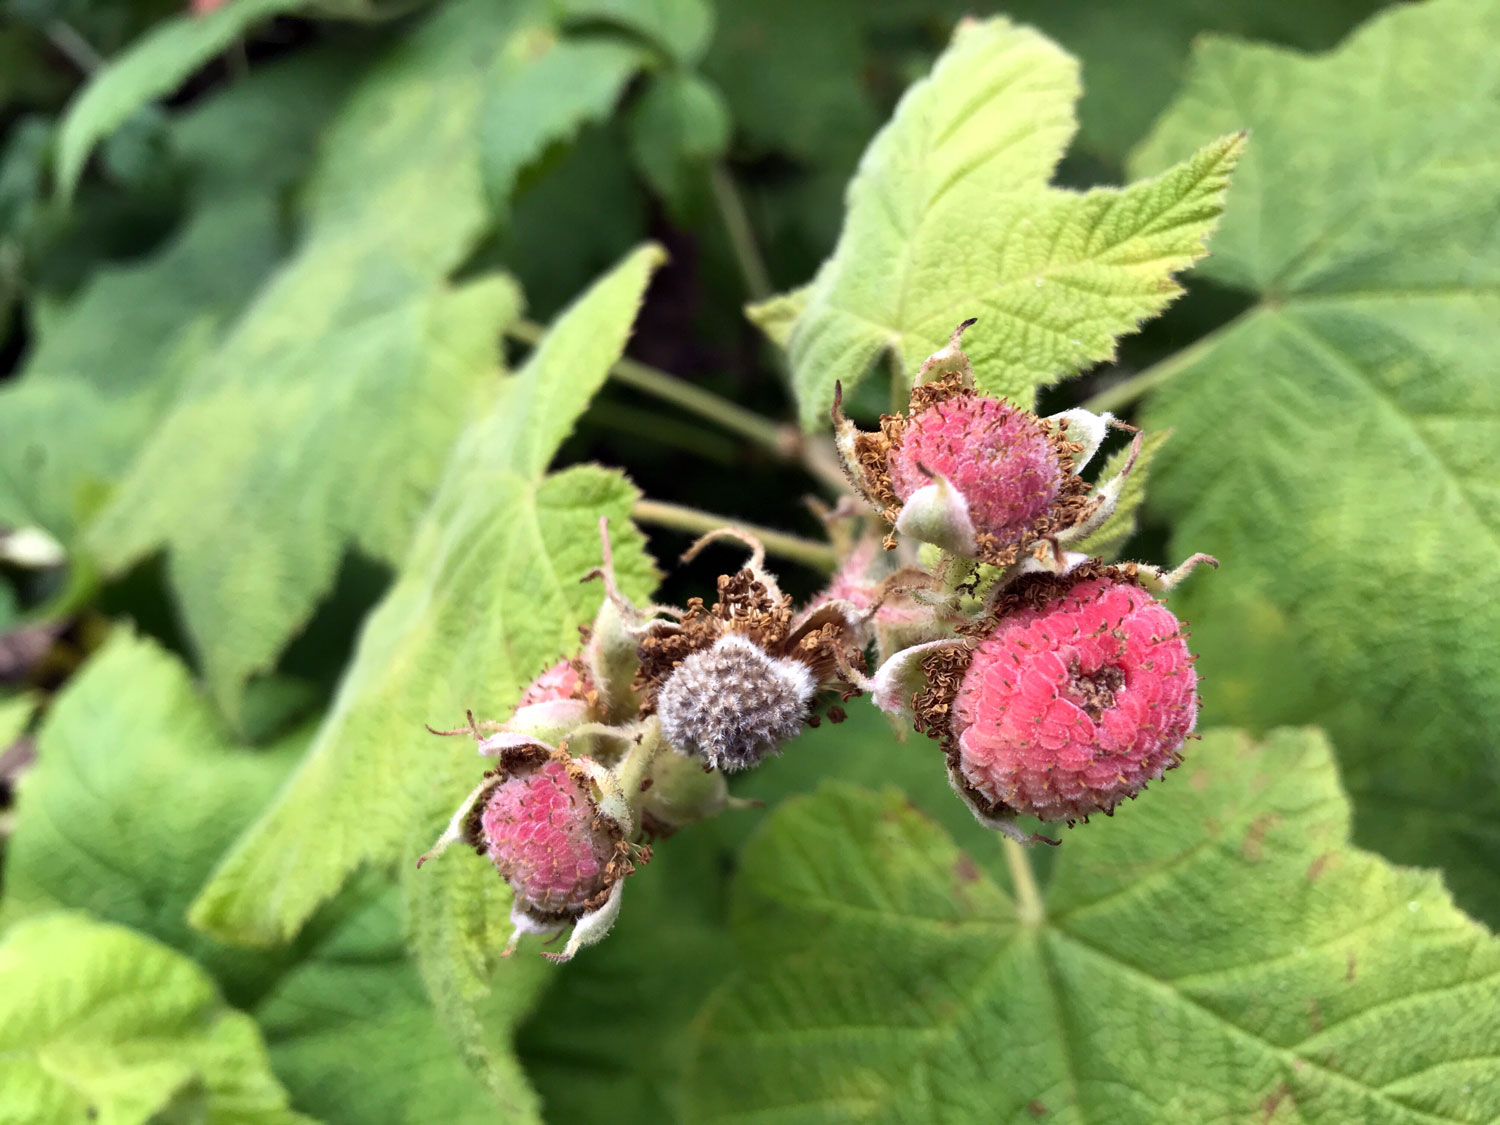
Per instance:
x=136, y=792
x=950, y=217
x=98, y=1023
x=487, y=598
x=1338, y=445
x=322, y=421
x=1218, y=952
x=106, y=367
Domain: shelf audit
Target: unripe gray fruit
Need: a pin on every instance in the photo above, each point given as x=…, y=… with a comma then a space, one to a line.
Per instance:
x=733, y=704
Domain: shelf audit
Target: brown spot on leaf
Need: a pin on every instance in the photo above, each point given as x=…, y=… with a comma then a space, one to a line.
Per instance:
x=1314, y=1015
x=1255, y=838
x=1199, y=780
x=1036, y=1108
x=1353, y=967
x=1316, y=868
x=1273, y=1100
x=965, y=869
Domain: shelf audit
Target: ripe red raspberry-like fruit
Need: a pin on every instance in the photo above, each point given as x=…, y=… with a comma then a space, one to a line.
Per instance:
x=1003, y=461
x=557, y=828
x=539, y=831
x=1076, y=699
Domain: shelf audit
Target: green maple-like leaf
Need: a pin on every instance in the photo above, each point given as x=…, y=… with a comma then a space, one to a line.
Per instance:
x=1217, y=952
x=488, y=596
x=128, y=827
x=1338, y=445
x=323, y=420
x=98, y=1023
x=106, y=367
x=137, y=791
x=134, y=768
x=950, y=217
x=153, y=66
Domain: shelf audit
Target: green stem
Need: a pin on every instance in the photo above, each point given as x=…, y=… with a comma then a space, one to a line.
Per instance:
x=665, y=430
x=1029, y=906
x=819, y=556
x=741, y=233
x=1126, y=391
x=780, y=440
x=80, y=51
x=784, y=441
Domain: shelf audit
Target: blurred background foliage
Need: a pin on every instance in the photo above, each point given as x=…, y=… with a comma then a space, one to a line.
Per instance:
x=204, y=208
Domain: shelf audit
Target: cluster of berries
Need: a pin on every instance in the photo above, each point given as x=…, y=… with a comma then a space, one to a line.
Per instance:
x=1057, y=685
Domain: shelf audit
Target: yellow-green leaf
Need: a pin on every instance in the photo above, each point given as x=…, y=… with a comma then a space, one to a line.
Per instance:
x=98, y=1023
x=950, y=217
x=323, y=420
x=137, y=790
x=488, y=596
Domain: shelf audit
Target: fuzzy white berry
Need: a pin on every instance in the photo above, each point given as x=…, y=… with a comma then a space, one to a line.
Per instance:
x=733, y=703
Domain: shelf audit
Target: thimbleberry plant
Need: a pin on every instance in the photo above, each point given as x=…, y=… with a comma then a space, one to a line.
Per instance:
x=1056, y=685
x=413, y=707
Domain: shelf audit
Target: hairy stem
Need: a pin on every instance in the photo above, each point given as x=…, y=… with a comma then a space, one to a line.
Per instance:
x=1029, y=906
x=741, y=235
x=819, y=556
x=784, y=440
x=695, y=400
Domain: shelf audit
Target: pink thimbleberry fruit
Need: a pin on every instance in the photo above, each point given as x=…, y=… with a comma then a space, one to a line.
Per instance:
x=561, y=681
x=1000, y=458
x=539, y=829
x=1069, y=707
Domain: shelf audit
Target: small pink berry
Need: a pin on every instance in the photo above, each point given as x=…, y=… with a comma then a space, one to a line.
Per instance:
x=540, y=831
x=1002, y=460
x=561, y=681
x=1072, y=705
